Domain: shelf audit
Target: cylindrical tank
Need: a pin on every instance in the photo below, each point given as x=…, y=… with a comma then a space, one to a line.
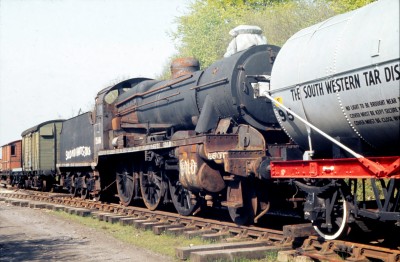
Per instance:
x=197, y=101
x=342, y=75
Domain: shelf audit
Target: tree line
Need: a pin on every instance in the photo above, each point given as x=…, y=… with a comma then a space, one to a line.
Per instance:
x=203, y=32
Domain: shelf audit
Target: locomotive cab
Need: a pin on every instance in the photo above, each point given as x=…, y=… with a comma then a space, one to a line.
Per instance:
x=104, y=112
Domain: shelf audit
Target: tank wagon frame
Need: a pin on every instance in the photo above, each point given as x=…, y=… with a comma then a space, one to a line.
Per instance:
x=336, y=188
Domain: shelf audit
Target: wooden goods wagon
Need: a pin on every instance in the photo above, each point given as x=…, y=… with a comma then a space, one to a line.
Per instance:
x=11, y=156
x=11, y=162
x=40, y=148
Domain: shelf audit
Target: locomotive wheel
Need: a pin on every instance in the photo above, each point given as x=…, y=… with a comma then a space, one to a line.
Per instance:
x=152, y=187
x=84, y=190
x=73, y=190
x=125, y=179
x=185, y=202
x=335, y=224
x=245, y=214
x=84, y=193
x=44, y=185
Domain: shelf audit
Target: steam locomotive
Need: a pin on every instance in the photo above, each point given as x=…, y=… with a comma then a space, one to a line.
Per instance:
x=306, y=128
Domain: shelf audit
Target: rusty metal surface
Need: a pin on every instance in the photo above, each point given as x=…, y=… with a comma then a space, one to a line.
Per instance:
x=234, y=195
x=195, y=173
x=250, y=138
x=313, y=248
x=241, y=162
x=184, y=66
x=220, y=143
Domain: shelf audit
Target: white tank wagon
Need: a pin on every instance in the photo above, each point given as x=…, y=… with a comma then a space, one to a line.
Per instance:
x=336, y=92
x=342, y=75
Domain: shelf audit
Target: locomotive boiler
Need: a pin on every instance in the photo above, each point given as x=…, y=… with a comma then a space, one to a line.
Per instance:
x=198, y=100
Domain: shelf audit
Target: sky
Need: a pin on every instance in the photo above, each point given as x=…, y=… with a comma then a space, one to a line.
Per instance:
x=55, y=55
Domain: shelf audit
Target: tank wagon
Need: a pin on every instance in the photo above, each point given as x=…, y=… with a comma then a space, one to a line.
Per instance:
x=10, y=163
x=336, y=92
x=40, y=153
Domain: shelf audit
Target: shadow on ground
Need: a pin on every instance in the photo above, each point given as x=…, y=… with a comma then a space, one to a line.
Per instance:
x=41, y=249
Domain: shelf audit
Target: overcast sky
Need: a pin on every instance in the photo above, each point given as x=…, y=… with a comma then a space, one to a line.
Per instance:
x=55, y=55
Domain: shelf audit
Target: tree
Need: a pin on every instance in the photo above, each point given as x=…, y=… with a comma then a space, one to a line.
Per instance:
x=203, y=32
x=342, y=6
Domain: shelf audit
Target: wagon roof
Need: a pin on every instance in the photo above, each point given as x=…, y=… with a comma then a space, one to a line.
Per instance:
x=36, y=128
x=10, y=143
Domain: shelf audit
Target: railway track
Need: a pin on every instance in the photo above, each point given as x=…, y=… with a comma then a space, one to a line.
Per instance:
x=293, y=243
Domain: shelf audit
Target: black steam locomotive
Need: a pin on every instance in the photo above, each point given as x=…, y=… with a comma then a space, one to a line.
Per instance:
x=196, y=139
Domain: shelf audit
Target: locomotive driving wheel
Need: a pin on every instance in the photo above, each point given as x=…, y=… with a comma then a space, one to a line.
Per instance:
x=73, y=189
x=244, y=214
x=185, y=202
x=44, y=185
x=84, y=193
x=125, y=179
x=152, y=187
x=85, y=187
x=334, y=223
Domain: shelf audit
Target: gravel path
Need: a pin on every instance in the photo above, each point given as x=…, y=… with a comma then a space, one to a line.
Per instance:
x=35, y=235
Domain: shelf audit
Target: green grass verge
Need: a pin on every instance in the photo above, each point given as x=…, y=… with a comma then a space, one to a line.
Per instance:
x=163, y=244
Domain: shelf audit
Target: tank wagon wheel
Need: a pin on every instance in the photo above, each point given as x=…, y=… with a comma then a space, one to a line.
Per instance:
x=152, y=187
x=245, y=214
x=335, y=223
x=125, y=178
x=185, y=202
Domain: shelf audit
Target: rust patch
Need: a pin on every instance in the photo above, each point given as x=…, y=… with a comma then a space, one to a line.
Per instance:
x=184, y=66
x=195, y=173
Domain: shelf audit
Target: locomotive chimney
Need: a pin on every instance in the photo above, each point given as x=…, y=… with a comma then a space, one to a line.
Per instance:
x=184, y=66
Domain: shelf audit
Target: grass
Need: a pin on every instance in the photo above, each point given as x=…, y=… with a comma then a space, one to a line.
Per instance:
x=163, y=244
x=369, y=193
